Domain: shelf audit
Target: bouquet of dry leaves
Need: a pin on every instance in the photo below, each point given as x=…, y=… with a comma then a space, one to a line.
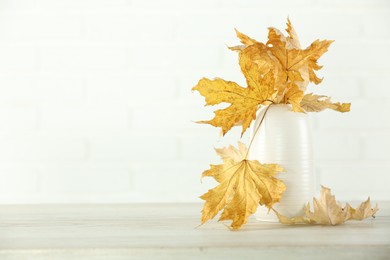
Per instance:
x=276, y=72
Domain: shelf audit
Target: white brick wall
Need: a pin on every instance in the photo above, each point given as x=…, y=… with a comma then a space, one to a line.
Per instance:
x=95, y=100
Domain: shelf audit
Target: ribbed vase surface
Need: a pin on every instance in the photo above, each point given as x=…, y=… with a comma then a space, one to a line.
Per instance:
x=284, y=138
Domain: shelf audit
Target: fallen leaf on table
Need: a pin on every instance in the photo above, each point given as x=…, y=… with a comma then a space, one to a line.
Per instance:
x=327, y=211
x=243, y=185
x=363, y=211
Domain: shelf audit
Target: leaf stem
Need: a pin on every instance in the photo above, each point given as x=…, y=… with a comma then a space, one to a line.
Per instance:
x=257, y=129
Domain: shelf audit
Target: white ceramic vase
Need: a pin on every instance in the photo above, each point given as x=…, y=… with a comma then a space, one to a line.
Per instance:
x=284, y=138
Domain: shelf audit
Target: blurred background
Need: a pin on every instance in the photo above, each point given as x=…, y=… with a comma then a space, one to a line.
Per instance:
x=96, y=102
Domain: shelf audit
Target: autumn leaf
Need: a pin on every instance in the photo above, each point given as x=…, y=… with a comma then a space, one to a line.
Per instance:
x=297, y=219
x=294, y=97
x=316, y=103
x=244, y=102
x=245, y=39
x=284, y=56
x=327, y=211
x=294, y=60
x=292, y=39
x=363, y=211
x=257, y=54
x=243, y=185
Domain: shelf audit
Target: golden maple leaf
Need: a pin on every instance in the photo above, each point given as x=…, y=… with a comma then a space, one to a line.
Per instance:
x=244, y=102
x=289, y=62
x=327, y=211
x=294, y=97
x=296, y=64
x=256, y=52
x=243, y=185
x=293, y=59
x=316, y=103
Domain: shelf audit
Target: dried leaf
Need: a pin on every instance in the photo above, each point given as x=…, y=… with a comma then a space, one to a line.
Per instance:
x=231, y=153
x=293, y=39
x=244, y=102
x=243, y=185
x=294, y=61
x=327, y=211
x=284, y=56
x=246, y=40
x=295, y=220
x=257, y=54
x=316, y=103
x=294, y=97
x=363, y=211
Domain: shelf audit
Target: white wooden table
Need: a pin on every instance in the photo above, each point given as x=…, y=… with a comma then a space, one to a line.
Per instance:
x=168, y=231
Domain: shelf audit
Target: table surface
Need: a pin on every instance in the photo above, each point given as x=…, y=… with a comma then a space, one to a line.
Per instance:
x=171, y=231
